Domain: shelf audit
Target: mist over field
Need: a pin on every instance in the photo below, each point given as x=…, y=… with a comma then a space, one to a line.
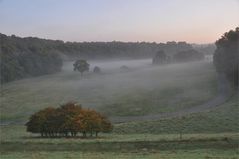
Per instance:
x=141, y=89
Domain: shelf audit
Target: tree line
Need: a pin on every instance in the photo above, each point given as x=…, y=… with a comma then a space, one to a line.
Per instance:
x=68, y=120
x=182, y=56
x=226, y=57
x=26, y=57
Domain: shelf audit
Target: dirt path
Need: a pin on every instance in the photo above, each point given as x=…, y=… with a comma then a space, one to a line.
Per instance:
x=224, y=92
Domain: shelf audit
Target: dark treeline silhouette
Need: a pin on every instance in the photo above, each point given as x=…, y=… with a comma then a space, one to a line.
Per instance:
x=69, y=119
x=27, y=57
x=160, y=58
x=207, y=49
x=182, y=56
x=188, y=55
x=30, y=56
x=226, y=57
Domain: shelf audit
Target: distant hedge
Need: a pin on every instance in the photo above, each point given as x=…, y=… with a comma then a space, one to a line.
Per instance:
x=69, y=119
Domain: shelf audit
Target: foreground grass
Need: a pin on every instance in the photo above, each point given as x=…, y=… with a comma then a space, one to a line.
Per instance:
x=144, y=154
x=18, y=134
x=17, y=143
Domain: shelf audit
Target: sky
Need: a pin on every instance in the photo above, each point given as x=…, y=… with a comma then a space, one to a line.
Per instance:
x=194, y=21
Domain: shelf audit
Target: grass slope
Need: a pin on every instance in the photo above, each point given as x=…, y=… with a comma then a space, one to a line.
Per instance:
x=140, y=92
x=224, y=118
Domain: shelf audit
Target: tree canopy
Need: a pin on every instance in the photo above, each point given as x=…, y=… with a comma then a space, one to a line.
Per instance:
x=226, y=56
x=81, y=66
x=26, y=57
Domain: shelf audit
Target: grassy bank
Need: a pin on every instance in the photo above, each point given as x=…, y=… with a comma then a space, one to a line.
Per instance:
x=224, y=118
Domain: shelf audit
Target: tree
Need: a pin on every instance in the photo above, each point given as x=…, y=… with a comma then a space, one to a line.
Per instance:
x=38, y=122
x=81, y=66
x=226, y=56
x=106, y=125
x=68, y=113
x=160, y=58
x=89, y=121
x=97, y=69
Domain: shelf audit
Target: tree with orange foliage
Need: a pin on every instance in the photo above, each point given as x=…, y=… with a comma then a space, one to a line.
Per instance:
x=37, y=122
x=68, y=113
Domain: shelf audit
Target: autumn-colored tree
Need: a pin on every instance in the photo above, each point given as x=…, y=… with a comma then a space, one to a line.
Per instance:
x=106, y=125
x=88, y=121
x=37, y=122
x=68, y=113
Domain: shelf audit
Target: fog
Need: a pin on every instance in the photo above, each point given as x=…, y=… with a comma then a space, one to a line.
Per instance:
x=184, y=81
x=112, y=66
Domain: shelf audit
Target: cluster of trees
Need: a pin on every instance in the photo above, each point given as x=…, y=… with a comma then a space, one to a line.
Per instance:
x=26, y=57
x=226, y=56
x=182, y=56
x=68, y=119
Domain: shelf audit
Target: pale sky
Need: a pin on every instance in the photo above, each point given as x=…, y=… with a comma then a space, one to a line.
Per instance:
x=194, y=21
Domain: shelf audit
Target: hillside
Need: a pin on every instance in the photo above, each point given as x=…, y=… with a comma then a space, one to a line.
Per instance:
x=26, y=57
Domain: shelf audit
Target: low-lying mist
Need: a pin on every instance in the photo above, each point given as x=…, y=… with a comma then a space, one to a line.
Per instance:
x=99, y=90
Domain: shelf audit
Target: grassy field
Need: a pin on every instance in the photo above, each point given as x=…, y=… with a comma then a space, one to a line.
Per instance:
x=143, y=91
x=219, y=138
x=207, y=135
x=23, y=145
x=174, y=154
x=224, y=118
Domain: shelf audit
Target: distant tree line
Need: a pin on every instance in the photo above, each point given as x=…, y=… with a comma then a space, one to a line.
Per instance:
x=226, y=56
x=68, y=120
x=181, y=56
x=30, y=56
x=26, y=57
